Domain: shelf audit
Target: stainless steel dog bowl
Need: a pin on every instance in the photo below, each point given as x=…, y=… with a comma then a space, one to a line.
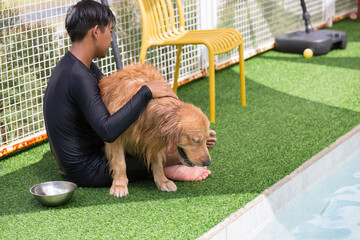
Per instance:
x=54, y=193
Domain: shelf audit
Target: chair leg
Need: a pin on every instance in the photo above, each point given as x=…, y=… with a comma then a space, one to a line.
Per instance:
x=212, y=85
x=242, y=75
x=142, y=54
x=177, y=67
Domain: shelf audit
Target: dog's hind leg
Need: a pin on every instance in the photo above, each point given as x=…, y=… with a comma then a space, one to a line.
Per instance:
x=118, y=166
x=162, y=182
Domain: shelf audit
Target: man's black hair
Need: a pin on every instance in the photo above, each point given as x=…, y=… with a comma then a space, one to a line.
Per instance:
x=86, y=14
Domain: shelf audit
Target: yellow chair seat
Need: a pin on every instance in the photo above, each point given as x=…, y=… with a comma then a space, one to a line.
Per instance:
x=220, y=41
x=159, y=29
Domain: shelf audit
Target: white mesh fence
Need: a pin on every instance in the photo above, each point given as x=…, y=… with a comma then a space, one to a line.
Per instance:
x=343, y=6
x=33, y=39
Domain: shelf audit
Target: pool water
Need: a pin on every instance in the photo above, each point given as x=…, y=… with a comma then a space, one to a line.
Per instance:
x=329, y=210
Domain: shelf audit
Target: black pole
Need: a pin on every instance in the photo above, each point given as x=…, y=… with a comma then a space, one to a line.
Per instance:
x=306, y=17
x=114, y=46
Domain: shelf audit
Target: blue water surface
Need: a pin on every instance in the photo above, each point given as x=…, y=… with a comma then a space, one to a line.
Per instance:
x=328, y=211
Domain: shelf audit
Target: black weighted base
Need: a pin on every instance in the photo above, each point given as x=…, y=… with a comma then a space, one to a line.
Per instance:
x=320, y=41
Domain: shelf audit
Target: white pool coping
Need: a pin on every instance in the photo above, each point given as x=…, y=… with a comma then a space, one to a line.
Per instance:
x=248, y=221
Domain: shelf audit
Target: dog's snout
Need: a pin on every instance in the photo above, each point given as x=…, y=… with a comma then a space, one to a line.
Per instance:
x=207, y=162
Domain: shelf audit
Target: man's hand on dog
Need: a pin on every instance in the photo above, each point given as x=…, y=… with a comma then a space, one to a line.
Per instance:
x=161, y=89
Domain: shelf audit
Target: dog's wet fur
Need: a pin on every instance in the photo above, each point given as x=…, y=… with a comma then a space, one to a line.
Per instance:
x=167, y=124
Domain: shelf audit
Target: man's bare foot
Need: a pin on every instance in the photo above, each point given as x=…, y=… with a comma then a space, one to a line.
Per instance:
x=179, y=172
x=211, y=139
x=185, y=173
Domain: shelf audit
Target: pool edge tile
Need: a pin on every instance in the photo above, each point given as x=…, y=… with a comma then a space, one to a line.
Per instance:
x=336, y=153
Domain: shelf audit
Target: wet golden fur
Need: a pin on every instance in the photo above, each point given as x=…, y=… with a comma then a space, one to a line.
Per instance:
x=166, y=124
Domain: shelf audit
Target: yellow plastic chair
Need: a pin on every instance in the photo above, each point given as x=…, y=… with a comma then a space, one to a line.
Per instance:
x=158, y=29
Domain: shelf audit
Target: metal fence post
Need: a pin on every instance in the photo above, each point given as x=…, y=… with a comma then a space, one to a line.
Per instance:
x=208, y=20
x=114, y=45
x=329, y=11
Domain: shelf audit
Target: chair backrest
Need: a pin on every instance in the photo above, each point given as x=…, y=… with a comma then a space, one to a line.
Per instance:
x=158, y=17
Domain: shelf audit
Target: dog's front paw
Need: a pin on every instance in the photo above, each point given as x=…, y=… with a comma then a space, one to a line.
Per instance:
x=167, y=186
x=119, y=190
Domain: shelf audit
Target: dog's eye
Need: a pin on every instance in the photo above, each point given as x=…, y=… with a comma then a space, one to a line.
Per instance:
x=196, y=140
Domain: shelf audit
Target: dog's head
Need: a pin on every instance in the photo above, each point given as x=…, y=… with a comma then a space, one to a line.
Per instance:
x=193, y=132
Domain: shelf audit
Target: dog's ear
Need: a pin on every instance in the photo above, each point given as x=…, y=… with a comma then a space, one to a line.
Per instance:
x=173, y=135
x=170, y=125
x=172, y=140
x=171, y=148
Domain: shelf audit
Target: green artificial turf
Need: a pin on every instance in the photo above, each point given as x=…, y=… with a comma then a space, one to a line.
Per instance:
x=295, y=108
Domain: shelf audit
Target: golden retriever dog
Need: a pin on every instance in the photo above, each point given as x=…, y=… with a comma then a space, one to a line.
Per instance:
x=167, y=124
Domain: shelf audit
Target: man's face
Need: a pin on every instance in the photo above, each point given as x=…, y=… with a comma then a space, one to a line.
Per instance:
x=104, y=41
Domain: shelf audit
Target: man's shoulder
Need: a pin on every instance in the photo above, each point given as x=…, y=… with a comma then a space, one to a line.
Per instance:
x=66, y=60
x=69, y=64
x=63, y=66
x=74, y=72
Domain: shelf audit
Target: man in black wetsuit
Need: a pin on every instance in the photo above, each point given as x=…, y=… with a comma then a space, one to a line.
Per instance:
x=77, y=121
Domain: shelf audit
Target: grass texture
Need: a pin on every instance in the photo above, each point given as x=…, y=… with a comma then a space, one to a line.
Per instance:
x=295, y=108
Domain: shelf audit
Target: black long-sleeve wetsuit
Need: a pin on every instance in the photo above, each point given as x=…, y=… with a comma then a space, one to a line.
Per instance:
x=77, y=122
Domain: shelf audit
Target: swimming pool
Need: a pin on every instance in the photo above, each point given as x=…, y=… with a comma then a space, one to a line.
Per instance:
x=319, y=200
x=329, y=210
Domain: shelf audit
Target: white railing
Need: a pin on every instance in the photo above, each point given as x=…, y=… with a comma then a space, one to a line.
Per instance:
x=33, y=39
